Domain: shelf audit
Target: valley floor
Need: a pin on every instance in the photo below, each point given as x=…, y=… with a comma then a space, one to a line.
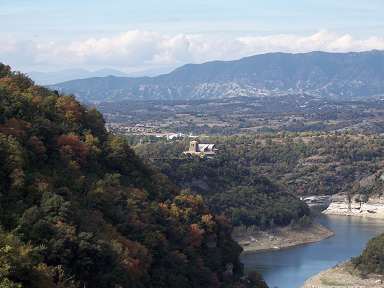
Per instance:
x=344, y=275
x=258, y=241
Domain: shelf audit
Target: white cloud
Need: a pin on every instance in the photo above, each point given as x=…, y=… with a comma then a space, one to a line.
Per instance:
x=141, y=49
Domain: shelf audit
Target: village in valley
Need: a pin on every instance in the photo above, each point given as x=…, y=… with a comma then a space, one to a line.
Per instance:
x=244, y=115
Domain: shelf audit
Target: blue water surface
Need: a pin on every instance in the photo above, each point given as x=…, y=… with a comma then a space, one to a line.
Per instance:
x=289, y=268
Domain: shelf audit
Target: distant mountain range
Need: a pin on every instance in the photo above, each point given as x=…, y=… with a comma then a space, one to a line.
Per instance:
x=336, y=75
x=49, y=78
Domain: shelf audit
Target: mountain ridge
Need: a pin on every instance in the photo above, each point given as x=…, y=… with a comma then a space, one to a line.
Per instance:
x=323, y=74
x=50, y=78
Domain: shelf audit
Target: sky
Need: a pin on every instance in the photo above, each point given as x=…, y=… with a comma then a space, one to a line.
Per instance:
x=145, y=35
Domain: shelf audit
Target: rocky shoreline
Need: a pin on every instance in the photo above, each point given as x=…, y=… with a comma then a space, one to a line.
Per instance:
x=253, y=241
x=344, y=275
x=373, y=208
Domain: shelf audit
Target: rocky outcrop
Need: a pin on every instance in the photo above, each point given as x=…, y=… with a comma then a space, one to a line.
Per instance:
x=373, y=208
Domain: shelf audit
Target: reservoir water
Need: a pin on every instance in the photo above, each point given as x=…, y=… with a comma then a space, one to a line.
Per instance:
x=289, y=268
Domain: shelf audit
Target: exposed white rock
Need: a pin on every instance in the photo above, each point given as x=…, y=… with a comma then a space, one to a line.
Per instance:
x=374, y=208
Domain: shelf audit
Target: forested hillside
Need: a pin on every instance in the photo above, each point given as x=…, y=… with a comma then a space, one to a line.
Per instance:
x=79, y=209
x=230, y=184
x=372, y=258
x=254, y=179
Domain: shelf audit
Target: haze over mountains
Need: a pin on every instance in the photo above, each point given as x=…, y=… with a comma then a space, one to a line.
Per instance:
x=53, y=77
x=334, y=75
x=49, y=78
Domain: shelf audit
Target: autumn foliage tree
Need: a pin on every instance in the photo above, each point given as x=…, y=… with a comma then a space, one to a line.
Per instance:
x=78, y=208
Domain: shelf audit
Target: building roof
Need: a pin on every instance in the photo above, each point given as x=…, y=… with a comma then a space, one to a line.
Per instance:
x=201, y=149
x=206, y=147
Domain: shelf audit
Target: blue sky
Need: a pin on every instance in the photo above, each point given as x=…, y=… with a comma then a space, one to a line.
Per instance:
x=47, y=17
x=31, y=29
